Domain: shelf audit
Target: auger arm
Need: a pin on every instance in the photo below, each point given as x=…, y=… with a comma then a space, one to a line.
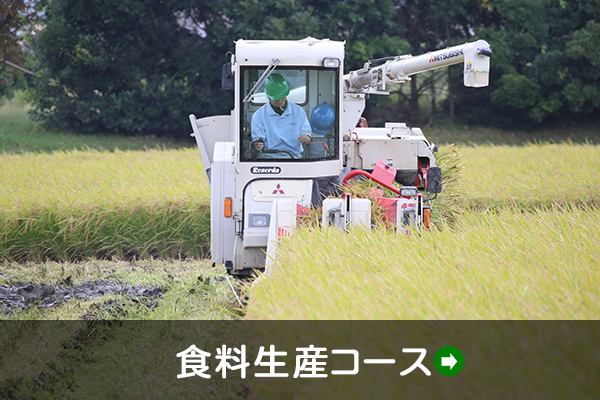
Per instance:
x=475, y=55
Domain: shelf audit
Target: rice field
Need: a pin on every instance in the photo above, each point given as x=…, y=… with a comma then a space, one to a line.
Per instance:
x=78, y=179
x=518, y=234
x=526, y=246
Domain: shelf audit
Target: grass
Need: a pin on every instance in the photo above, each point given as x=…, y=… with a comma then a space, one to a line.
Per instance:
x=78, y=178
x=464, y=135
x=79, y=204
x=18, y=134
x=540, y=265
x=164, y=230
x=108, y=359
x=113, y=345
x=74, y=204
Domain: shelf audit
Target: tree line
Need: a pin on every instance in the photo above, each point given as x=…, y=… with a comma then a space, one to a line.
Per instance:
x=141, y=66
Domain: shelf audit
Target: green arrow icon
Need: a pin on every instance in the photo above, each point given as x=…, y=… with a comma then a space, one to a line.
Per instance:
x=448, y=361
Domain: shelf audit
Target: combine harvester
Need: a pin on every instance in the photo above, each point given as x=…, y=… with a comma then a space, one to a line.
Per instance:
x=257, y=196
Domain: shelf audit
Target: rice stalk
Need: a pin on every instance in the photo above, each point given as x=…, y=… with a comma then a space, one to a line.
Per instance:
x=159, y=229
x=499, y=265
x=447, y=208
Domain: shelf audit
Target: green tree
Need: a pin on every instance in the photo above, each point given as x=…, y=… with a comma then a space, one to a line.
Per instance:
x=367, y=26
x=364, y=24
x=127, y=66
x=16, y=18
x=430, y=25
x=545, y=64
x=136, y=66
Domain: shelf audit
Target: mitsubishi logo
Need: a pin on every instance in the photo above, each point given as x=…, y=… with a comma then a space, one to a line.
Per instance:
x=278, y=190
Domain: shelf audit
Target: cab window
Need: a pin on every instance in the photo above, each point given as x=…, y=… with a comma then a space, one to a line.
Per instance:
x=315, y=93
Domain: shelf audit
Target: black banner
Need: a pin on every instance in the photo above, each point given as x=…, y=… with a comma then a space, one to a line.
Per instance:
x=300, y=359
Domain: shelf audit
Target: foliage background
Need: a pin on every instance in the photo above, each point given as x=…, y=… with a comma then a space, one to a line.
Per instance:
x=123, y=67
x=133, y=66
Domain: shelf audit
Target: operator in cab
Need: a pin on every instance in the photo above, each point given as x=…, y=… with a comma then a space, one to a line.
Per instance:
x=280, y=124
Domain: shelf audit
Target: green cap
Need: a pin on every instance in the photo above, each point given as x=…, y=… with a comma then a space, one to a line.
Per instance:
x=277, y=87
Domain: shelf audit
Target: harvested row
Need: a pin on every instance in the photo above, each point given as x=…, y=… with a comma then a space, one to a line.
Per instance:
x=102, y=289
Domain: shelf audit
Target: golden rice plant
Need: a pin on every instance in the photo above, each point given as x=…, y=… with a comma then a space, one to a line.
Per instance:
x=447, y=208
x=495, y=265
x=78, y=204
x=532, y=176
x=46, y=197
x=78, y=179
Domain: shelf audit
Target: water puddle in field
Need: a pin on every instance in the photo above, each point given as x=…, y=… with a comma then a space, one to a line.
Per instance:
x=24, y=296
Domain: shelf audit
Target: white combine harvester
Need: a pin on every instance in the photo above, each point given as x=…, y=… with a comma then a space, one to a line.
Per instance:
x=258, y=196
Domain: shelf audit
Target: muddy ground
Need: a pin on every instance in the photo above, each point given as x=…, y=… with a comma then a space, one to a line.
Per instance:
x=21, y=297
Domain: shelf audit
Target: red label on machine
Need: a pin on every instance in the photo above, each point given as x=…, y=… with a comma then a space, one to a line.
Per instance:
x=281, y=233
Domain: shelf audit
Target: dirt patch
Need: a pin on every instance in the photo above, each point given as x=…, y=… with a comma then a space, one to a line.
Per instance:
x=24, y=296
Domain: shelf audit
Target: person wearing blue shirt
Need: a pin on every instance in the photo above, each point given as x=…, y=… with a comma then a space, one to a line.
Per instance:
x=280, y=124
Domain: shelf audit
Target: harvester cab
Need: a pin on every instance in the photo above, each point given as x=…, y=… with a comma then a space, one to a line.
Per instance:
x=261, y=186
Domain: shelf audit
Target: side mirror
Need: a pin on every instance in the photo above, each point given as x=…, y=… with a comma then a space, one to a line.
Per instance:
x=434, y=180
x=227, y=77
